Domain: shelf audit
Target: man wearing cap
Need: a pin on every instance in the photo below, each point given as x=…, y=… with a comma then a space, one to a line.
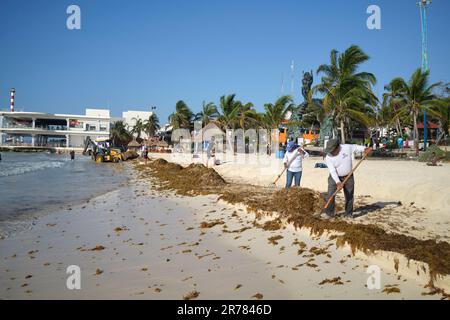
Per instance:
x=293, y=163
x=339, y=159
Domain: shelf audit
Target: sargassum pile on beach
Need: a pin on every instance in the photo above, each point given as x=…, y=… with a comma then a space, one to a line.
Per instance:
x=298, y=206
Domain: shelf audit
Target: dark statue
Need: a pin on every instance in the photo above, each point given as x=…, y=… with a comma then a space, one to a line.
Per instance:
x=297, y=115
x=327, y=130
x=307, y=82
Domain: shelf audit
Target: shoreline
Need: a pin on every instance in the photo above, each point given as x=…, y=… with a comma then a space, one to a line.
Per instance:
x=26, y=219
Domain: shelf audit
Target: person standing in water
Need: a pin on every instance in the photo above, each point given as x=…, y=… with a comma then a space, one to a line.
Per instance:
x=72, y=155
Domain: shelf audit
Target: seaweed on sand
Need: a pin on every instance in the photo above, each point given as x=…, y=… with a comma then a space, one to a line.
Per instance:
x=298, y=206
x=194, y=179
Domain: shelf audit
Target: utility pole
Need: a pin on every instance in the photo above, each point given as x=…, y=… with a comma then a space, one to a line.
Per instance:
x=423, y=20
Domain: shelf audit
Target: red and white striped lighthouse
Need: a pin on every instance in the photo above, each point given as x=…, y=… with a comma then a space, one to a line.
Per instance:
x=12, y=93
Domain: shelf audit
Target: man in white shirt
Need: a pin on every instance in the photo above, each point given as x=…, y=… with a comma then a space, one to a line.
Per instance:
x=293, y=163
x=339, y=160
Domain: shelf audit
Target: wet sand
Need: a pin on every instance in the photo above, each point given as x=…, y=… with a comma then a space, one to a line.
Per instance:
x=138, y=243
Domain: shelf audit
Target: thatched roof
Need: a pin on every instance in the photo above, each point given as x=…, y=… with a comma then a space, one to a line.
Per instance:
x=211, y=130
x=162, y=143
x=134, y=144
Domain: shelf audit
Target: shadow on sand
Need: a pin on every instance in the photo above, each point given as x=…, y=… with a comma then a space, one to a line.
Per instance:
x=368, y=208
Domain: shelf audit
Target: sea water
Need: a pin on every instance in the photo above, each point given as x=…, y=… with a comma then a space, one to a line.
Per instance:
x=34, y=183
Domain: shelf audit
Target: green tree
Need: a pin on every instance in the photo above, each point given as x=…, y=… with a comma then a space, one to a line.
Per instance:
x=151, y=125
x=392, y=106
x=182, y=116
x=275, y=113
x=246, y=116
x=209, y=112
x=119, y=133
x=418, y=96
x=235, y=114
x=440, y=110
x=229, y=108
x=347, y=92
x=138, y=128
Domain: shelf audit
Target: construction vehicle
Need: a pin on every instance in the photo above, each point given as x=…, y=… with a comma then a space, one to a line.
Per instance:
x=102, y=151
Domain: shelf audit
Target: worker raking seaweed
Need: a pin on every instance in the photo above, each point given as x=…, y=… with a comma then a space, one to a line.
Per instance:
x=339, y=160
x=293, y=163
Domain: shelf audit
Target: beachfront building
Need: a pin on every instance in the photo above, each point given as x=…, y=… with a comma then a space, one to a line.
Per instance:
x=37, y=129
x=58, y=131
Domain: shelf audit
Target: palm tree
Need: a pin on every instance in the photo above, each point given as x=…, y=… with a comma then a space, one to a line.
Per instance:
x=392, y=104
x=229, y=108
x=246, y=116
x=138, y=127
x=314, y=112
x=276, y=112
x=209, y=112
x=151, y=125
x=347, y=93
x=418, y=96
x=119, y=133
x=236, y=114
x=182, y=116
x=440, y=110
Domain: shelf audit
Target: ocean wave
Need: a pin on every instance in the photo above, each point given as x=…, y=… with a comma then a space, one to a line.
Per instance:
x=19, y=167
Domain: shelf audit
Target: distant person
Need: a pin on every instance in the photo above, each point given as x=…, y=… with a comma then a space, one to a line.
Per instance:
x=434, y=161
x=72, y=155
x=145, y=154
x=0, y=157
x=339, y=161
x=293, y=163
x=400, y=143
x=210, y=151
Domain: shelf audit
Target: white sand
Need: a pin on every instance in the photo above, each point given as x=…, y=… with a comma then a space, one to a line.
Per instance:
x=386, y=182
x=160, y=229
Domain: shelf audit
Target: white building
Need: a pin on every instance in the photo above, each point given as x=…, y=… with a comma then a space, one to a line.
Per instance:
x=130, y=118
x=46, y=130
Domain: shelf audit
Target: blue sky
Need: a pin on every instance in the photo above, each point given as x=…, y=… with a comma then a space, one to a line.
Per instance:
x=133, y=54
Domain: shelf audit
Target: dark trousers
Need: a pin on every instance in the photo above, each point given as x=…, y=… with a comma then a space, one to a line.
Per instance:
x=296, y=176
x=349, y=190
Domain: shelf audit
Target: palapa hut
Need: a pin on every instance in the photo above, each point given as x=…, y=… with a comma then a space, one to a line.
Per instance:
x=134, y=145
x=156, y=145
x=163, y=146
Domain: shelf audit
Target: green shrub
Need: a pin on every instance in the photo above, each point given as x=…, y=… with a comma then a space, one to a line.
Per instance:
x=427, y=155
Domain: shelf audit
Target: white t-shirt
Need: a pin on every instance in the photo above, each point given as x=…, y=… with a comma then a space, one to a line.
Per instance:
x=296, y=165
x=342, y=164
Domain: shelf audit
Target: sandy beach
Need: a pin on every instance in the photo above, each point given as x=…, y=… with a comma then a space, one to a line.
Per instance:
x=140, y=243
x=416, y=204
